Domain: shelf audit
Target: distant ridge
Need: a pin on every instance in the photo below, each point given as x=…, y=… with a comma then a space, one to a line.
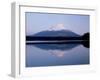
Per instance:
x=59, y=33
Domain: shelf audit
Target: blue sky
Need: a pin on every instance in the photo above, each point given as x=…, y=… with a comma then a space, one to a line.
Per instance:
x=36, y=22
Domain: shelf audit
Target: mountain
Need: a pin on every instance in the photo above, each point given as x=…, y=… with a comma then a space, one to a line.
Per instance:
x=58, y=30
x=57, y=33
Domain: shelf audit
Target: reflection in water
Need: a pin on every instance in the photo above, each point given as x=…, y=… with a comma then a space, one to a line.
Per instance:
x=60, y=47
x=57, y=50
x=56, y=54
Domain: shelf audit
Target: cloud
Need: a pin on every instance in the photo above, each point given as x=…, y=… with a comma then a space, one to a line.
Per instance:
x=57, y=53
x=59, y=26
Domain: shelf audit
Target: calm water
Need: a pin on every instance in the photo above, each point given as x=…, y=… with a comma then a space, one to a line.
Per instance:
x=56, y=54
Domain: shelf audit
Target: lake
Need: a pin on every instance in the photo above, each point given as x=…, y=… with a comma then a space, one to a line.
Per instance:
x=39, y=55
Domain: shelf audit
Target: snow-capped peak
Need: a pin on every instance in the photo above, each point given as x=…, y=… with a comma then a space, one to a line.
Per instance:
x=57, y=27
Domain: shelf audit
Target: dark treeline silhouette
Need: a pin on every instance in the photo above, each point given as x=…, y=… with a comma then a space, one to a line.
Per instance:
x=49, y=38
x=84, y=40
x=35, y=38
x=86, y=36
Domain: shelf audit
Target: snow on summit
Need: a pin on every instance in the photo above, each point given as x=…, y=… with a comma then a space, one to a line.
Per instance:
x=57, y=27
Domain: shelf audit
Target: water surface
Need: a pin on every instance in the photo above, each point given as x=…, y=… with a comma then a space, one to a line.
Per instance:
x=56, y=54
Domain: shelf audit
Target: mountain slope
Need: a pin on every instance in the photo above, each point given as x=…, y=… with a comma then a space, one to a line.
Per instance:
x=60, y=33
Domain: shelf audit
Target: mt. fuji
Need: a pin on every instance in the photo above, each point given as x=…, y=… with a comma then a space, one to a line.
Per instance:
x=58, y=30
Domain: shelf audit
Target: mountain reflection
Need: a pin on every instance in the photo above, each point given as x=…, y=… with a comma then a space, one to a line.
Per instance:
x=57, y=53
x=60, y=47
x=59, y=50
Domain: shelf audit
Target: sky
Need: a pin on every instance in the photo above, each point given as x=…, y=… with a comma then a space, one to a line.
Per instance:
x=36, y=22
